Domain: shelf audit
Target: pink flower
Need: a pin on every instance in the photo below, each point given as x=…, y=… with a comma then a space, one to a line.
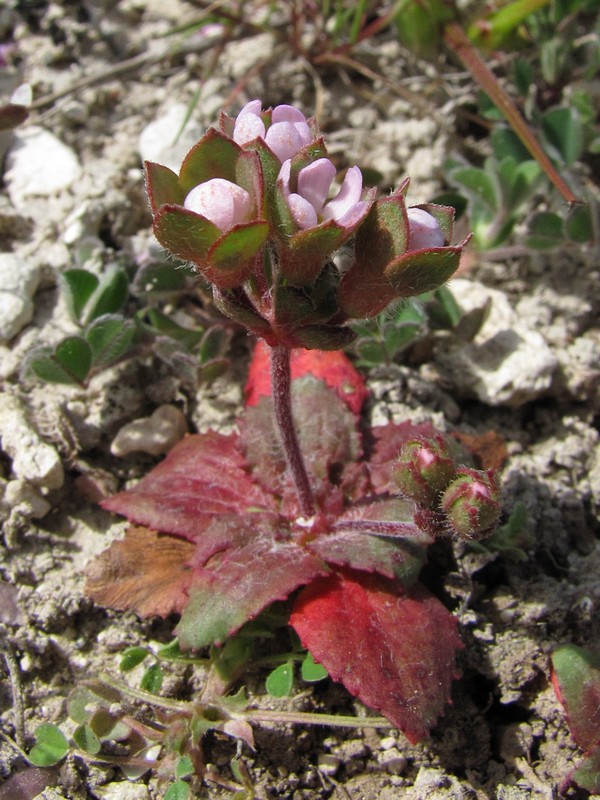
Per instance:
x=308, y=206
x=221, y=202
x=287, y=134
x=423, y=230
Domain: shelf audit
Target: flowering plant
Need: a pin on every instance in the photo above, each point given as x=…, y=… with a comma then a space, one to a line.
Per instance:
x=227, y=525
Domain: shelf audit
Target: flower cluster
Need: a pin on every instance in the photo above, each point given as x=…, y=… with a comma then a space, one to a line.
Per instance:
x=451, y=499
x=258, y=209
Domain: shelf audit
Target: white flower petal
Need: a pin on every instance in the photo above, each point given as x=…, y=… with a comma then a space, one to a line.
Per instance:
x=314, y=182
x=285, y=113
x=353, y=215
x=303, y=213
x=348, y=196
x=251, y=107
x=221, y=202
x=247, y=127
x=423, y=230
x=284, y=176
x=284, y=140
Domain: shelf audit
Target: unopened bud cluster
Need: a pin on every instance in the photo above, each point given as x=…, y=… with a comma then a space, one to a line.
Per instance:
x=449, y=498
x=257, y=207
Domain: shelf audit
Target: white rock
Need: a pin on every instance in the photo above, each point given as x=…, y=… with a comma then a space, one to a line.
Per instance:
x=328, y=764
x=123, y=790
x=155, y=434
x=507, y=364
x=32, y=459
x=392, y=761
x=38, y=165
x=161, y=140
x=23, y=498
x=18, y=283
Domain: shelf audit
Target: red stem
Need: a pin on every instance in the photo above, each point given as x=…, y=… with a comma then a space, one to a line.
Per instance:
x=281, y=385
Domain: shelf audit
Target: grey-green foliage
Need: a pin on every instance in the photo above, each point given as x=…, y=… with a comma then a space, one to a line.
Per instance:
x=99, y=306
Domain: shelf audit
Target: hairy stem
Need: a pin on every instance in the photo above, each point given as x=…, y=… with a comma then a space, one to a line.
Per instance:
x=308, y=718
x=380, y=526
x=282, y=402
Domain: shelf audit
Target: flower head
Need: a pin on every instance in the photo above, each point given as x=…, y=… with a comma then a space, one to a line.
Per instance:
x=288, y=132
x=221, y=202
x=308, y=204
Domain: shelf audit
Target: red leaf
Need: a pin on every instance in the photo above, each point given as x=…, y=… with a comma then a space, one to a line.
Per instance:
x=238, y=584
x=393, y=649
x=146, y=571
x=327, y=434
x=332, y=367
x=203, y=476
x=576, y=681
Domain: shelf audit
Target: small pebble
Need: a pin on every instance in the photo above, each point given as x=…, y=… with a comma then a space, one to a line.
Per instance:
x=328, y=764
x=155, y=435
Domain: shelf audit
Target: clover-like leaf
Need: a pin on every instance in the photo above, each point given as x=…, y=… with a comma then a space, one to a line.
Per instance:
x=110, y=337
x=50, y=747
x=394, y=650
x=69, y=362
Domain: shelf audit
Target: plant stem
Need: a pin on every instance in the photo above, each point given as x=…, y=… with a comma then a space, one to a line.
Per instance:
x=378, y=526
x=281, y=384
x=308, y=718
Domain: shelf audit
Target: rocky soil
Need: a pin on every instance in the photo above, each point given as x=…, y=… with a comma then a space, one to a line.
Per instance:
x=110, y=89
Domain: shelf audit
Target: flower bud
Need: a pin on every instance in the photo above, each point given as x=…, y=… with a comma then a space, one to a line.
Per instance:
x=471, y=503
x=221, y=202
x=424, y=469
x=424, y=230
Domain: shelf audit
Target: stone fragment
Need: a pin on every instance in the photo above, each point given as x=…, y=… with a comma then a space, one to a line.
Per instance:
x=155, y=435
x=19, y=281
x=32, y=459
x=328, y=764
x=25, y=501
x=392, y=761
x=507, y=364
x=38, y=165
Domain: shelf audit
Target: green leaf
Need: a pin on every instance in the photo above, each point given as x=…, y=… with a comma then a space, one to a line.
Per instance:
x=160, y=277
x=162, y=185
x=418, y=272
x=70, y=362
x=214, y=156
x=178, y=791
x=171, y=651
x=78, y=285
x=545, y=231
x=237, y=248
x=131, y=657
x=50, y=747
x=152, y=679
x=165, y=326
x=110, y=337
x=505, y=143
x=578, y=225
x=185, y=234
x=279, y=682
x=108, y=727
x=311, y=671
x=86, y=740
x=110, y=295
x=478, y=185
x=184, y=767
x=563, y=130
